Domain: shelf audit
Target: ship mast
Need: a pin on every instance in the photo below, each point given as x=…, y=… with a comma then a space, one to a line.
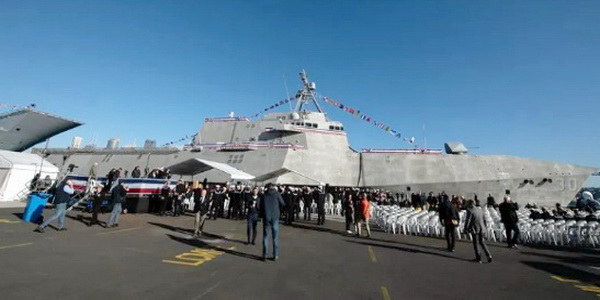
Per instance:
x=306, y=94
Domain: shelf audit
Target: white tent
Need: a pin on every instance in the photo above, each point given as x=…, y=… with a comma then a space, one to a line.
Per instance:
x=17, y=170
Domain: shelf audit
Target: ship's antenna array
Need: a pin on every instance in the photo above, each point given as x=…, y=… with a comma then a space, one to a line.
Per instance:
x=307, y=94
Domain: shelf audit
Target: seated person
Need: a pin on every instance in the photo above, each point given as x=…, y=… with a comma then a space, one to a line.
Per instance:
x=534, y=215
x=545, y=214
x=559, y=211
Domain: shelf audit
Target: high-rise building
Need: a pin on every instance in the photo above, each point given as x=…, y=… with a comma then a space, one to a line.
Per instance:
x=76, y=143
x=112, y=143
x=149, y=144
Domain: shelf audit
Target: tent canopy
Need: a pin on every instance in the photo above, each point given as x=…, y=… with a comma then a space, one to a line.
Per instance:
x=195, y=166
x=25, y=161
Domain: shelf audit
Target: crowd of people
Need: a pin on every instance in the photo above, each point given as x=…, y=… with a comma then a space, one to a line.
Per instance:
x=272, y=203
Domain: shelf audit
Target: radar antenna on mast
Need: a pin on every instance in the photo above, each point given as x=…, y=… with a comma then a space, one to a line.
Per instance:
x=306, y=94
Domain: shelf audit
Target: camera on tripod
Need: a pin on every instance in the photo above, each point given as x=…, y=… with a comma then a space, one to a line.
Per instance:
x=71, y=167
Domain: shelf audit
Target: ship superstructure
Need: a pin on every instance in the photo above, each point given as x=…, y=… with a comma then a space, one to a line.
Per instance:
x=304, y=147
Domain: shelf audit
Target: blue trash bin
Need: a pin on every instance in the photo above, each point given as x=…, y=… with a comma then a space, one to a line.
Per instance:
x=35, y=207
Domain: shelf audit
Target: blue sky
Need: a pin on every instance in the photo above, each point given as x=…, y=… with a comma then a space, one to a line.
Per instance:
x=503, y=77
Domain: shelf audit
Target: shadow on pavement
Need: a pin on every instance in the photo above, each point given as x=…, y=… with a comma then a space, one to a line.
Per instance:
x=582, y=259
x=190, y=232
x=86, y=220
x=565, y=272
x=404, y=249
x=564, y=248
x=343, y=233
x=204, y=245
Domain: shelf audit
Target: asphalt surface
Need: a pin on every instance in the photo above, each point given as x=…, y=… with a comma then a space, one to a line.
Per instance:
x=151, y=257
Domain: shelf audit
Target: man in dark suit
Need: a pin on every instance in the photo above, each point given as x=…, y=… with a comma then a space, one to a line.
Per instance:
x=320, y=199
x=508, y=215
x=475, y=225
x=269, y=210
x=450, y=219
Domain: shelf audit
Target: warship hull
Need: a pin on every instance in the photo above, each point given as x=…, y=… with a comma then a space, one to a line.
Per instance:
x=526, y=180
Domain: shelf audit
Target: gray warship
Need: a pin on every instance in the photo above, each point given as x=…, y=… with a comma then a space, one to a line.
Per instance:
x=305, y=147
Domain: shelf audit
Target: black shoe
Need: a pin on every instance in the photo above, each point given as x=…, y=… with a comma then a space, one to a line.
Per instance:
x=116, y=225
x=477, y=260
x=264, y=258
x=39, y=229
x=253, y=243
x=489, y=259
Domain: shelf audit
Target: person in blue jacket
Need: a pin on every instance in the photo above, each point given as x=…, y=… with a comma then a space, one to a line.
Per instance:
x=270, y=210
x=61, y=199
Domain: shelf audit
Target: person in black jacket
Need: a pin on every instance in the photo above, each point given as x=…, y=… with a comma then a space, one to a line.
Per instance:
x=252, y=200
x=508, y=215
x=201, y=208
x=348, y=210
x=449, y=218
x=117, y=196
x=320, y=199
x=180, y=190
x=136, y=173
x=288, y=198
x=269, y=210
x=165, y=196
x=96, y=204
x=307, y=200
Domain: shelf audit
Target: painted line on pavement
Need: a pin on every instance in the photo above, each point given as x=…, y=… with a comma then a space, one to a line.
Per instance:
x=372, y=254
x=119, y=231
x=584, y=286
x=15, y=246
x=8, y=221
x=385, y=294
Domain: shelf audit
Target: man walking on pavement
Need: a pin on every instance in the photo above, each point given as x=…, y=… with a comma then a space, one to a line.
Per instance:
x=508, y=215
x=61, y=199
x=449, y=218
x=117, y=196
x=475, y=224
x=269, y=209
